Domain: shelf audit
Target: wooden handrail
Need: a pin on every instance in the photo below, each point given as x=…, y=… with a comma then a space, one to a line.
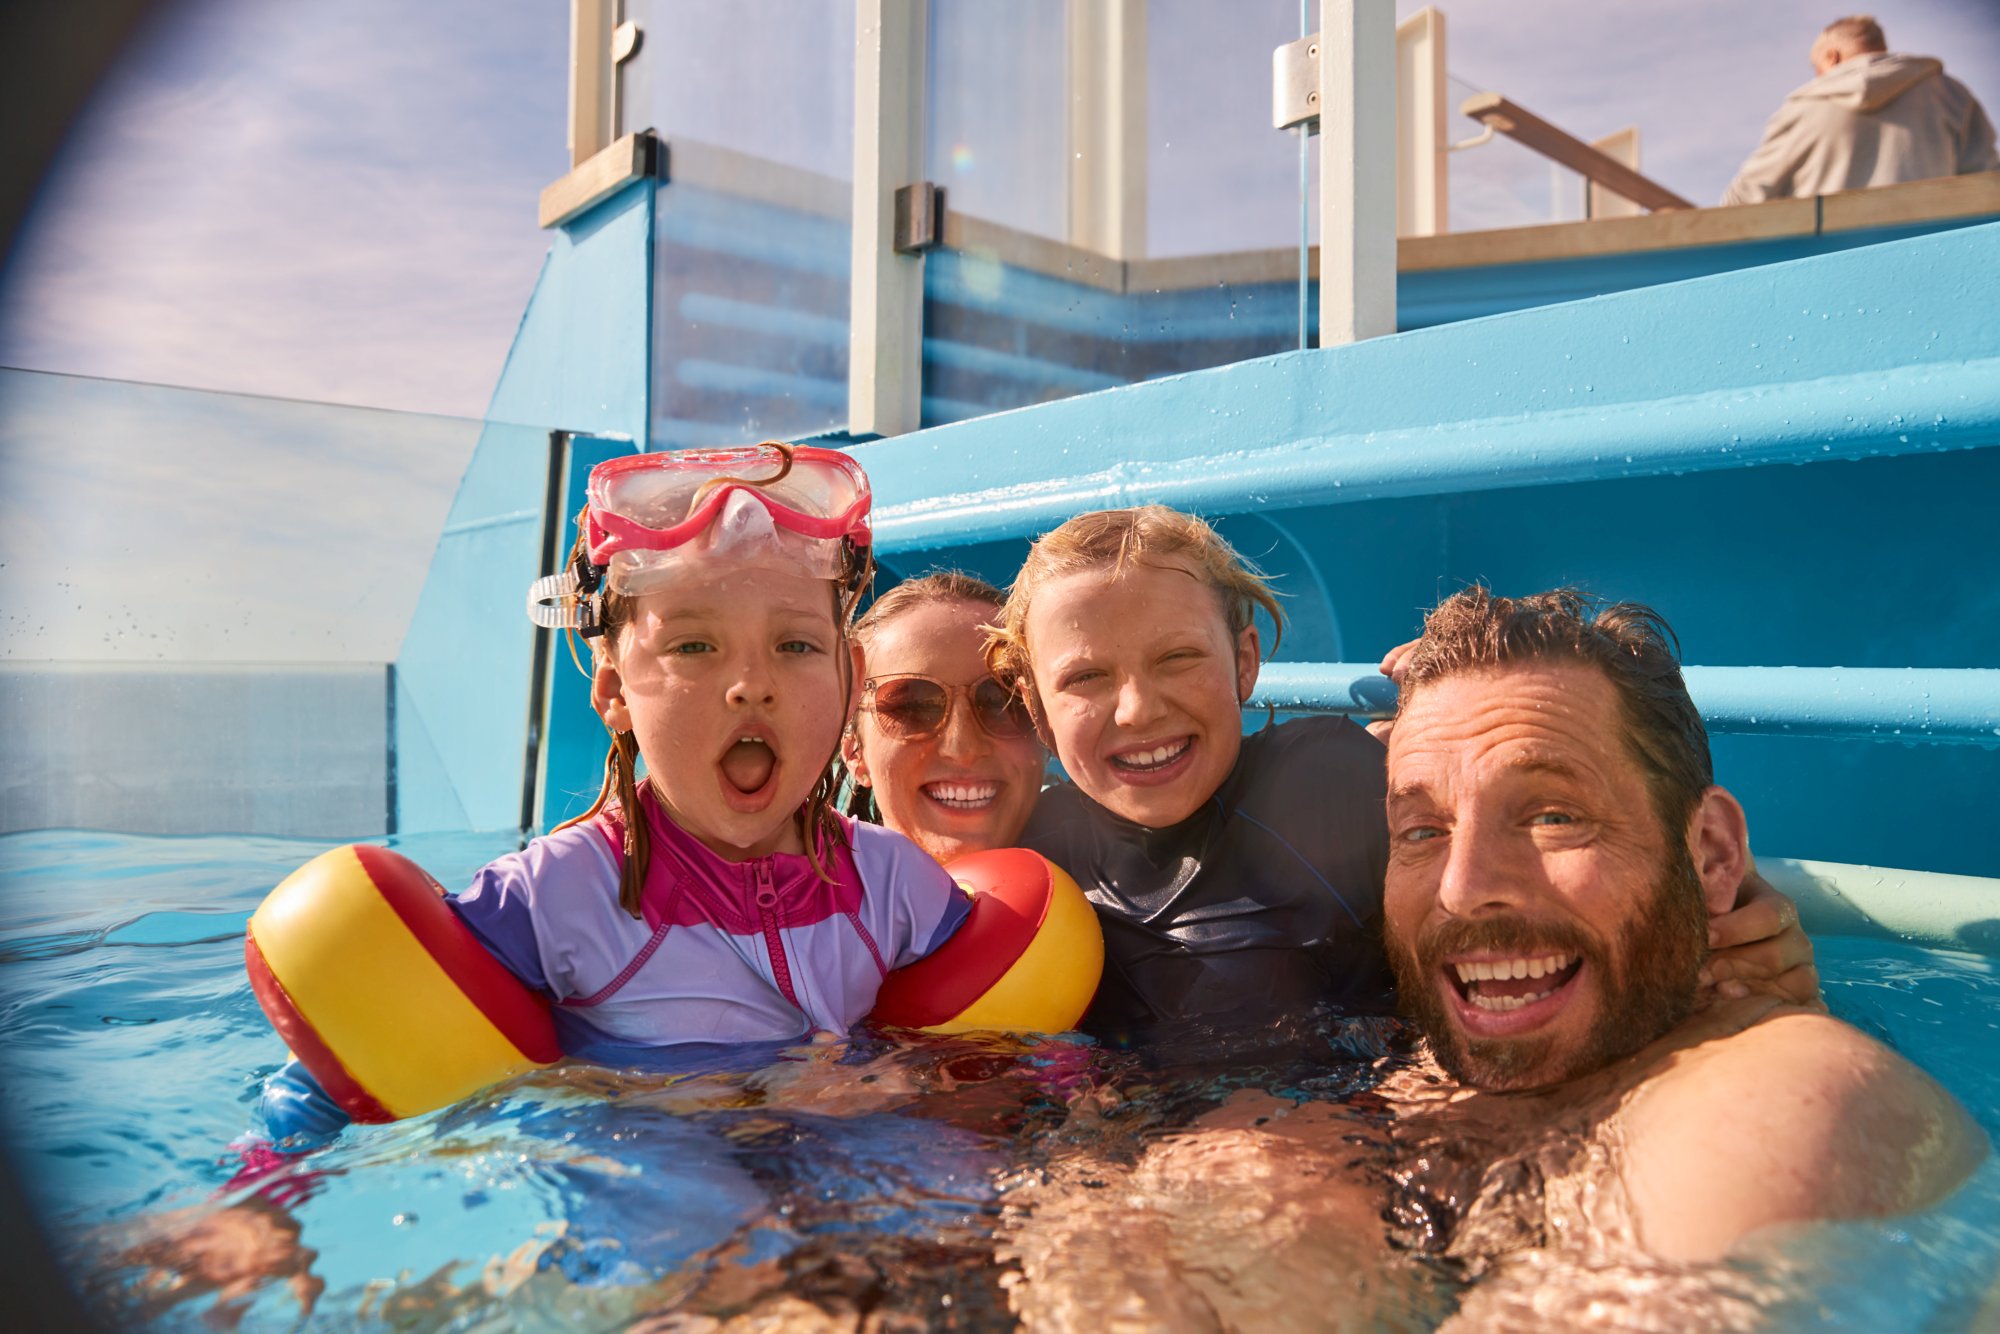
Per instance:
x=1517, y=122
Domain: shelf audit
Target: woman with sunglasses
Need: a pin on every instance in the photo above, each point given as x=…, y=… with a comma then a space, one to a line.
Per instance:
x=941, y=752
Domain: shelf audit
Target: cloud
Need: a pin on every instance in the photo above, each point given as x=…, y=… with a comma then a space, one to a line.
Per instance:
x=321, y=202
x=336, y=203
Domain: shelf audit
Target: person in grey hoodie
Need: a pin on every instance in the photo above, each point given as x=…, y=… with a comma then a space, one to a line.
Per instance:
x=1869, y=117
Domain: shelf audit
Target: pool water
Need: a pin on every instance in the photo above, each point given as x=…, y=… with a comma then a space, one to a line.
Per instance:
x=870, y=1182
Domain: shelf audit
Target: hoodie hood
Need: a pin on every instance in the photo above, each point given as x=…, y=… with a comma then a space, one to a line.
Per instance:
x=1869, y=83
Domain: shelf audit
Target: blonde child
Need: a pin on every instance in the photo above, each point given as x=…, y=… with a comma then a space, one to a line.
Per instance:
x=714, y=897
x=1231, y=873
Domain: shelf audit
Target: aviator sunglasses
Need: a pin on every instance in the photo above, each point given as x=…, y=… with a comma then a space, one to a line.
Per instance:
x=909, y=706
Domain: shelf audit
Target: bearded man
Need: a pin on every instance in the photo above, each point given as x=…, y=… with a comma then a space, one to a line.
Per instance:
x=1589, y=1141
x=1556, y=839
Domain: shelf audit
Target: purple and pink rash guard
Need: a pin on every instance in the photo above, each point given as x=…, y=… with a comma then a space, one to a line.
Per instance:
x=724, y=953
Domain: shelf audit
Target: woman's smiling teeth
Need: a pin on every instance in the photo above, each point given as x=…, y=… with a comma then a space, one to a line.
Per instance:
x=1497, y=985
x=962, y=796
x=1158, y=757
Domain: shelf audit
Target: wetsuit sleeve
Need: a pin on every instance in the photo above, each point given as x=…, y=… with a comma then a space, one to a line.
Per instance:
x=499, y=909
x=911, y=904
x=953, y=907
x=1767, y=174
x=1978, y=152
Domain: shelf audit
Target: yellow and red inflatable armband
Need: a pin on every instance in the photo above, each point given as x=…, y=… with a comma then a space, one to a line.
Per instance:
x=381, y=991
x=1027, y=958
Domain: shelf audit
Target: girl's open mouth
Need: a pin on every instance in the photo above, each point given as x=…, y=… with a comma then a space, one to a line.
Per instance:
x=748, y=767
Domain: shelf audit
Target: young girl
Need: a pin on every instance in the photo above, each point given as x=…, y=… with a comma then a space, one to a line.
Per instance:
x=716, y=898
x=1231, y=873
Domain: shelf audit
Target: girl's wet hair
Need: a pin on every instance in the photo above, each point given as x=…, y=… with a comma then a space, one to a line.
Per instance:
x=819, y=824
x=1116, y=540
x=938, y=588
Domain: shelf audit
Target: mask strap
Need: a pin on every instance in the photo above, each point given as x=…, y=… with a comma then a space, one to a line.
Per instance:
x=553, y=603
x=567, y=601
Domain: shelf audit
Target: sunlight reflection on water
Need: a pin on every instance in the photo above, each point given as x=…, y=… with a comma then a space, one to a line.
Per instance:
x=962, y=1182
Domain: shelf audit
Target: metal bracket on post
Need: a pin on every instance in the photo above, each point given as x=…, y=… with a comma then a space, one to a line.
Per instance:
x=1295, y=85
x=919, y=218
x=625, y=42
x=597, y=178
x=1422, y=183
x=602, y=158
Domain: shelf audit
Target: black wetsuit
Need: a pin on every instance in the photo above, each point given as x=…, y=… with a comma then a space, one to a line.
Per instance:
x=1267, y=899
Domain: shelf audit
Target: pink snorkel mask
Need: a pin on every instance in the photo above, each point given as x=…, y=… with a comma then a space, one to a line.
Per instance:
x=783, y=507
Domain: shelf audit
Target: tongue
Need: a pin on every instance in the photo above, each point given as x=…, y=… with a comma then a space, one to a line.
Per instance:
x=1513, y=986
x=747, y=765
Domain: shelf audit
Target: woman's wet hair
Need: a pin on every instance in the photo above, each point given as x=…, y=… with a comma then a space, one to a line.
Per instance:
x=939, y=588
x=819, y=824
x=1474, y=631
x=1116, y=540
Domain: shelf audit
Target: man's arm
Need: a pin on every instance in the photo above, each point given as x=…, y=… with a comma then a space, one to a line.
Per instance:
x=1978, y=153
x=1767, y=174
x=1795, y=1119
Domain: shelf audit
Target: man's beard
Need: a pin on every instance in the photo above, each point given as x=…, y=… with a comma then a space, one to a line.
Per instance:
x=1647, y=985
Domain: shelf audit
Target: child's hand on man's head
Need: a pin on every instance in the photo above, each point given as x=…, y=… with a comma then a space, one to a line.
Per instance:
x=1394, y=663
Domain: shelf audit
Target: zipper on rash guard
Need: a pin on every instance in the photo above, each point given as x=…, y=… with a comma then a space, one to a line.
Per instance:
x=774, y=945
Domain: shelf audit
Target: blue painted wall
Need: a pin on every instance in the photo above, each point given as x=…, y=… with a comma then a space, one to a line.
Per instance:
x=1440, y=296
x=1631, y=443
x=572, y=759
x=579, y=363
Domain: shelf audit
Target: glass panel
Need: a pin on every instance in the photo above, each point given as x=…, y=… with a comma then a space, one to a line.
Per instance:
x=1218, y=177
x=771, y=78
x=155, y=543
x=1501, y=183
x=995, y=129
x=1015, y=315
x=752, y=235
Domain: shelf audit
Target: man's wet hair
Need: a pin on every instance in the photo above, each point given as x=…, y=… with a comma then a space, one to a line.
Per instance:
x=1473, y=631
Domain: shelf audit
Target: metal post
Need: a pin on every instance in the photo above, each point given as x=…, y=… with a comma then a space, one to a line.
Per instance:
x=1423, y=143
x=592, y=106
x=1599, y=202
x=885, y=326
x=1357, y=170
x=1107, y=126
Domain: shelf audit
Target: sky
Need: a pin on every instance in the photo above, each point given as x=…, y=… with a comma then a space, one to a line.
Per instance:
x=323, y=218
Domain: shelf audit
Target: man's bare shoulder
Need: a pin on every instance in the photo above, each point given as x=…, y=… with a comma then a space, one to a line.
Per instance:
x=1792, y=1117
